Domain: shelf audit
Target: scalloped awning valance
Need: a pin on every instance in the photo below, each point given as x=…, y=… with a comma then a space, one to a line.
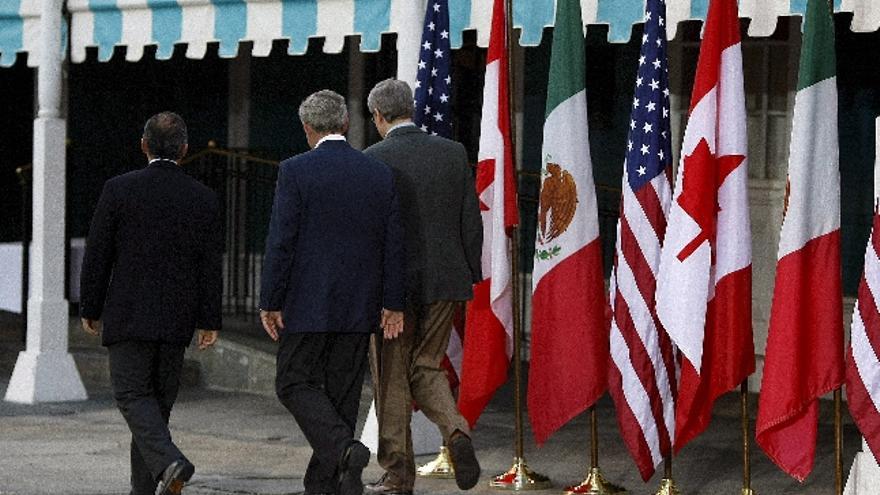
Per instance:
x=134, y=24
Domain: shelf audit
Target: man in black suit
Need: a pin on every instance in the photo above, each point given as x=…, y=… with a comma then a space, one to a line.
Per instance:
x=151, y=276
x=332, y=275
x=444, y=236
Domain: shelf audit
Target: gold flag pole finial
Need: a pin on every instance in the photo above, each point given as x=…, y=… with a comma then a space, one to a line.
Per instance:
x=667, y=484
x=595, y=483
x=439, y=468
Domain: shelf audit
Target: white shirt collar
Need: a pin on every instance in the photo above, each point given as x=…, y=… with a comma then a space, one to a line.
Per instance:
x=330, y=137
x=398, y=126
x=154, y=160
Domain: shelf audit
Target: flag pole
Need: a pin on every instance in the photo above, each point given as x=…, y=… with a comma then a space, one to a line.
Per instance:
x=595, y=483
x=744, y=403
x=838, y=442
x=519, y=477
x=667, y=484
x=838, y=399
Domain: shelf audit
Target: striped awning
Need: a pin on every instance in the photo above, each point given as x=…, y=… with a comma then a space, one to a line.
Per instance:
x=135, y=24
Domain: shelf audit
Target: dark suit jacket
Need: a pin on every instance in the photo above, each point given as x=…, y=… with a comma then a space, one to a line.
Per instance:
x=153, y=265
x=440, y=210
x=334, y=253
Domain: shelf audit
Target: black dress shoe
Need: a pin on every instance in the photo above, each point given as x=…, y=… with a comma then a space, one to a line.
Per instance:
x=175, y=476
x=464, y=459
x=351, y=466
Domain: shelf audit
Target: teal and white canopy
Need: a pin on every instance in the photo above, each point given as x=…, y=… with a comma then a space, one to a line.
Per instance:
x=135, y=24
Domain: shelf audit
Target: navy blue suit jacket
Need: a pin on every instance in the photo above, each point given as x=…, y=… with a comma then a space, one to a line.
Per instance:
x=334, y=253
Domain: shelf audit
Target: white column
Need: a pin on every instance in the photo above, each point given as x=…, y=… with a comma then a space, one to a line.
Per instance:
x=864, y=476
x=45, y=371
x=409, y=35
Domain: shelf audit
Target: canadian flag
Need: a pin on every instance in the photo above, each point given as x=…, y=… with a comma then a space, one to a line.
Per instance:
x=488, y=342
x=704, y=286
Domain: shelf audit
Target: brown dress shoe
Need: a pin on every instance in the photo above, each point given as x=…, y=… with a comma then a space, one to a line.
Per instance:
x=385, y=487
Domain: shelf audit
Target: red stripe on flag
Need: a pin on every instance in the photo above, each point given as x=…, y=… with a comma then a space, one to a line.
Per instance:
x=644, y=276
x=643, y=367
x=647, y=285
x=650, y=203
x=568, y=318
x=728, y=356
x=807, y=314
x=484, y=363
x=629, y=425
x=867, y=308
x=860, y=405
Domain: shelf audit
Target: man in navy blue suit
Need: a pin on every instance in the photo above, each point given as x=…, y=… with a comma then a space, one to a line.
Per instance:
x=333, y=275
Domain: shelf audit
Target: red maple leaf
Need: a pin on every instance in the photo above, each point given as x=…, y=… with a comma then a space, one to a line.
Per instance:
x=703, y=175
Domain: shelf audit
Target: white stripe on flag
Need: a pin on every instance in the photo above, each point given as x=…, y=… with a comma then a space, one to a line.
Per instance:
x=647, y=333
x=635, y=394
x=863, y=353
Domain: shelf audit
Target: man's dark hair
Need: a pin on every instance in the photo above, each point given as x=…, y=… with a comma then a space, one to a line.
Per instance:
x=165, y=134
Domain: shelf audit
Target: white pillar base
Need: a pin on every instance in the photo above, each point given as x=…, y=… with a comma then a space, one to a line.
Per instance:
x=45, y=377
x=864, y=476
x=425, y=436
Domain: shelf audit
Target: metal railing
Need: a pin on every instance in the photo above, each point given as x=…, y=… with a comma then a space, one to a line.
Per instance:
x=245, y=187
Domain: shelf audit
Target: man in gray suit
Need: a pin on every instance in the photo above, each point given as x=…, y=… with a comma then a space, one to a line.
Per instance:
x=443, y=238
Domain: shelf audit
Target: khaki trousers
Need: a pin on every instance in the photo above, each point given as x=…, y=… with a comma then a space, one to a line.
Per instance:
x=409, y=371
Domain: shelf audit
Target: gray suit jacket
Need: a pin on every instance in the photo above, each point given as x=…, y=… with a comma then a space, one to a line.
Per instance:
x=440, y=213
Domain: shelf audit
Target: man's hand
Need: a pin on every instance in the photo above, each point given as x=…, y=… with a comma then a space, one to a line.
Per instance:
x=272, y=322
x=207, y=338
x=92, y=327
x=392, y=323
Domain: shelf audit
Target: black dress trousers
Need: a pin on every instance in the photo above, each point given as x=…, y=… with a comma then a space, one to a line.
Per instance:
x=319, y=380
x=146, y=378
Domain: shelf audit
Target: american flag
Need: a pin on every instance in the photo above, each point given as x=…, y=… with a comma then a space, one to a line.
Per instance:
x=642, y=379
x=433, y=106
x=863, y=357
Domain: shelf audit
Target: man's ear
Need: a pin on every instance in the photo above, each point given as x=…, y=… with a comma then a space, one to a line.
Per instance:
x=344, y=127
x=144, y=148
x=183, y=149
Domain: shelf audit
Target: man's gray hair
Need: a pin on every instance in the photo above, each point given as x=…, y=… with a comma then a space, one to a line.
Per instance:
x=393, y=99
x=324, y=111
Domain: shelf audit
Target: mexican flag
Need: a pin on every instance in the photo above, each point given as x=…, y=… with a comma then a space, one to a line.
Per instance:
x=569, y=323
x=807, y=311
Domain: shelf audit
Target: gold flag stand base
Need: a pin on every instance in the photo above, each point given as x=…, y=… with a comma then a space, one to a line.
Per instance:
x=441, y=467
x=748, y=491
x=519, y=478
x=595, y=484
x=667, y=487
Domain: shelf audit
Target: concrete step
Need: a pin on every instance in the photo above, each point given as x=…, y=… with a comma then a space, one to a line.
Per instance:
x=236, y=363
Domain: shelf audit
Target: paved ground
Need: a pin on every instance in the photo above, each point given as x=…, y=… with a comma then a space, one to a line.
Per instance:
x=248, y=444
